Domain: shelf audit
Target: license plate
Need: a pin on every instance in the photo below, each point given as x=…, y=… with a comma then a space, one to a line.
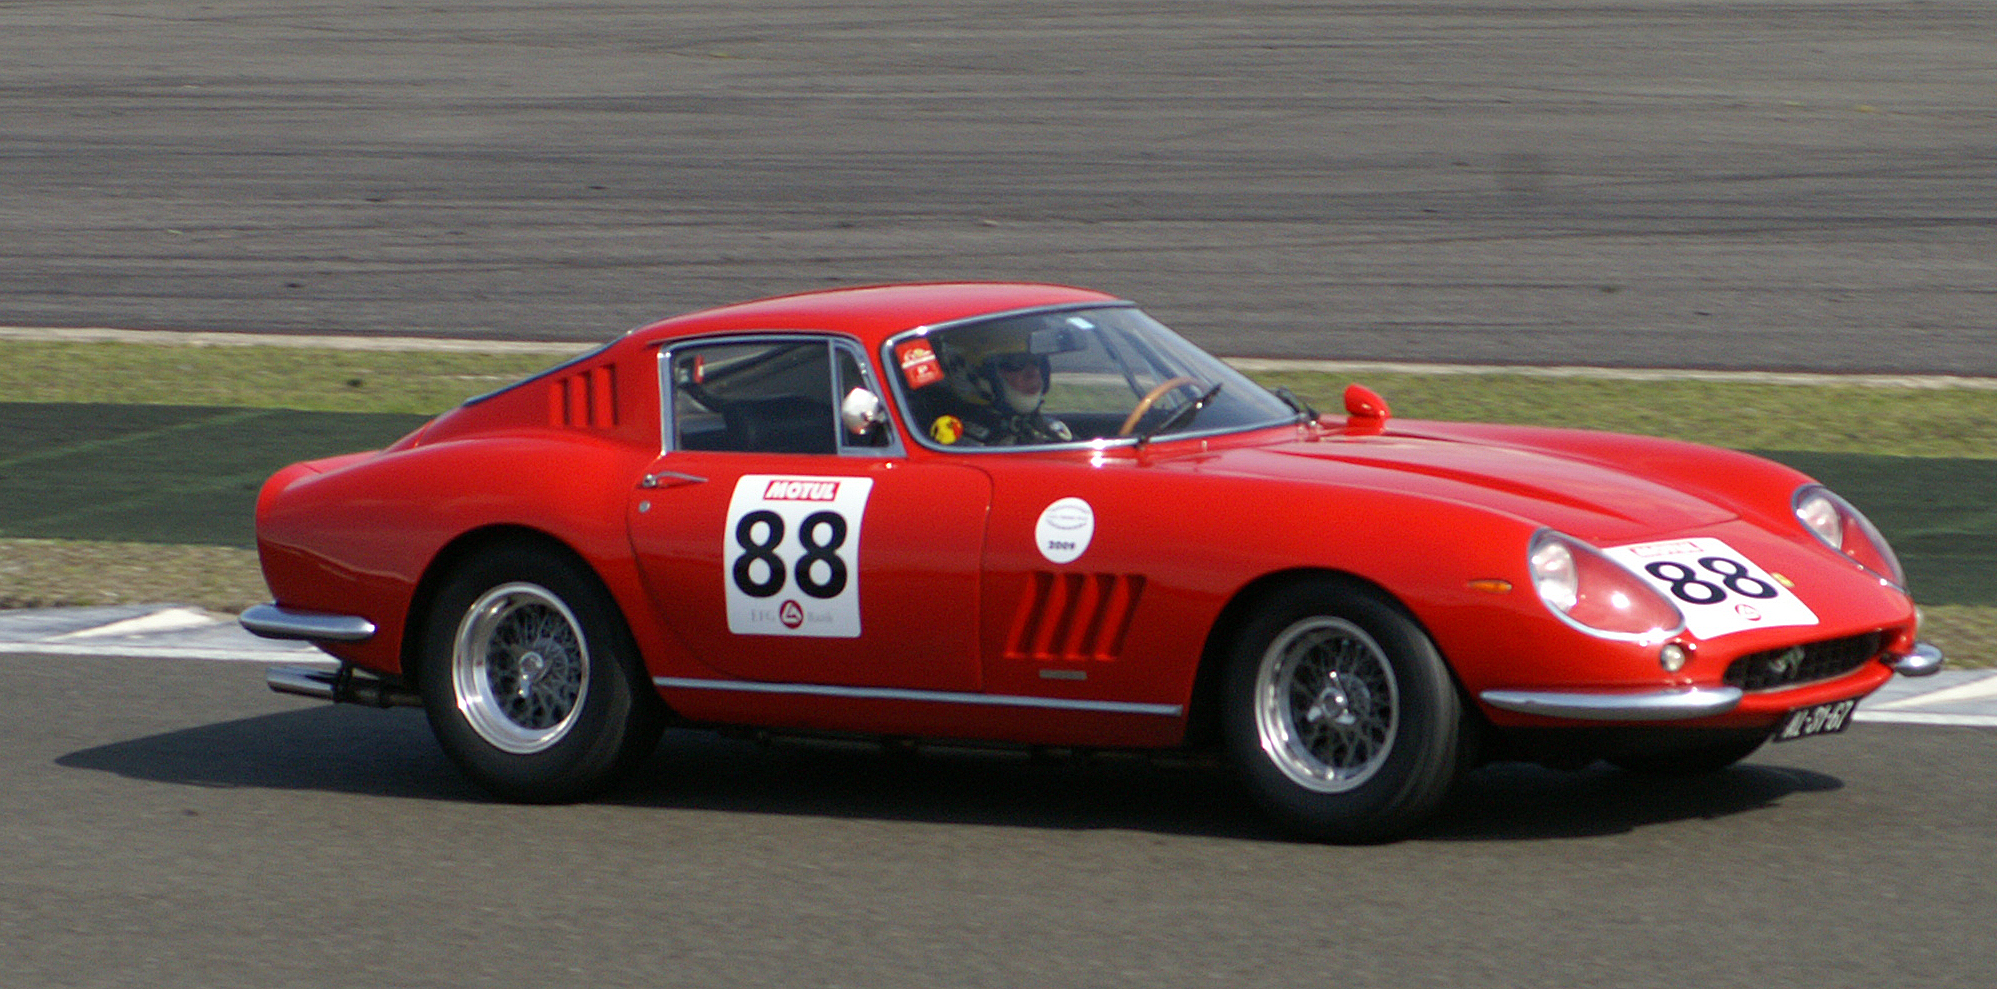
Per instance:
x=1823, y=719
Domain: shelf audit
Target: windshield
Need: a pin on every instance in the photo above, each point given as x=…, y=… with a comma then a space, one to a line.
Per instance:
x=1068, y=376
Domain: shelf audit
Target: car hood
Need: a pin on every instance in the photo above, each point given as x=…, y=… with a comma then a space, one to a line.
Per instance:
x=1585, y=498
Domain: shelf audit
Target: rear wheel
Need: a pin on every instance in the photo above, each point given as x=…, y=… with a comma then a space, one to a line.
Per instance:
x=1340, y=716
x=530, y=681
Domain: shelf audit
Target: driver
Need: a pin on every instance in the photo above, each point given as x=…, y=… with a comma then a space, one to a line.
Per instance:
x=998, y=386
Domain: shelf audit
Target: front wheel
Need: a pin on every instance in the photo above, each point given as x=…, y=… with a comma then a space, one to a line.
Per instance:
x=530, y=681
x=1339, y=715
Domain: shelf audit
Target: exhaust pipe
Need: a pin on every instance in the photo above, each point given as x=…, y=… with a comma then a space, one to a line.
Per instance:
x=341, y=686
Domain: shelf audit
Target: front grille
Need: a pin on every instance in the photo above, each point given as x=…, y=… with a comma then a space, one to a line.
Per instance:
x=1777, y=668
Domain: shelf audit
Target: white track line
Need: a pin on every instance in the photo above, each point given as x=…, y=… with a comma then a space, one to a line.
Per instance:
x=121, y=650
x=186, y=633
x=1923, y=718
x=164, y=620
x=1812, y=380
x=1975, y=690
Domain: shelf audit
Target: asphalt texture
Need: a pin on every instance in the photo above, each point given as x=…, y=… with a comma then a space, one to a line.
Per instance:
x=173, y=824
x=1762, y=184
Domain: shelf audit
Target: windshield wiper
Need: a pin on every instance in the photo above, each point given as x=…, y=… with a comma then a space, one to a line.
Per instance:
x=1302, y=407
x=1183, y=415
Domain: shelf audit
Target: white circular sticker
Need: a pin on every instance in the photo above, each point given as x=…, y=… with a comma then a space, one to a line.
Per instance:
x=1064, y=530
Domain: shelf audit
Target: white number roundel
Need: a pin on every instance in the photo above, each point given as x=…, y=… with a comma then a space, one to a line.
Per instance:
x=1065, y=530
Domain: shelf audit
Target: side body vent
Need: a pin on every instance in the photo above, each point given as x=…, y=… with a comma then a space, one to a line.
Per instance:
x=1073, y=616
x=586, y=399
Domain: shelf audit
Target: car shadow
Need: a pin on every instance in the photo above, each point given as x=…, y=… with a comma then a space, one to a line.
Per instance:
x=327, y=748
x=1521, y=801
x=391, y=754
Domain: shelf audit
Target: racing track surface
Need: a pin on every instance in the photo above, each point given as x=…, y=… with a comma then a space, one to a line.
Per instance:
x=1759, y=184
x=171, y=823
x=1771, y=184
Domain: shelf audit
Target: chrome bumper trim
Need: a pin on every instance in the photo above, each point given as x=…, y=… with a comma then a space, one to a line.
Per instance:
x=1925, y=659
x=927, y=696
x=1663, y=705
x=273, y=622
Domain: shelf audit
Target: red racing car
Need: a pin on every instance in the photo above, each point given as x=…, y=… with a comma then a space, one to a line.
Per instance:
x=1031, y=514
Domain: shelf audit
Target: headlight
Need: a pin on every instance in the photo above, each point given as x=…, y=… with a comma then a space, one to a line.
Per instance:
x=1596, y=593
x=1845, y=529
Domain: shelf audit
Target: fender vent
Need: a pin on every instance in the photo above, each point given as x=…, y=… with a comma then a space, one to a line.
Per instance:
x=586, y=399
x=1073, y=616
x=1778, y=668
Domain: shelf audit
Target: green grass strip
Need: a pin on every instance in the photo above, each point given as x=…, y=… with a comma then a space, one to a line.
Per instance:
x=310, y=380
x=1925, y=457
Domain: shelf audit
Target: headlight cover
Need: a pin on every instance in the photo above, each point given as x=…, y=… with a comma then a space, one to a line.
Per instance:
x=1844, y=528
x=1596, y=594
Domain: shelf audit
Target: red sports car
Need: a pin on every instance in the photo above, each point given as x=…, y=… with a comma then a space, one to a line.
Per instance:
x=1031, y=514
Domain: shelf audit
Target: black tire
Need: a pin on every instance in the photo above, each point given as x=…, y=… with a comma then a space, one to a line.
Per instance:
x=530, y=679
x=1697, y=759
x=1376, y=748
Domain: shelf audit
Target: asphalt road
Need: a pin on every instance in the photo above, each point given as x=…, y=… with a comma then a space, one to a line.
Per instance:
x=1769, y=184
x=1758, y=184
x=171, y=823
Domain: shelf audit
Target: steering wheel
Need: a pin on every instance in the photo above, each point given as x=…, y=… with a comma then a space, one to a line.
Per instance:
x=1144, y=404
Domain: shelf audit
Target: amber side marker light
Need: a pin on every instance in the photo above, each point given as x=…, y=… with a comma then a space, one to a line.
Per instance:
x=1492, y=586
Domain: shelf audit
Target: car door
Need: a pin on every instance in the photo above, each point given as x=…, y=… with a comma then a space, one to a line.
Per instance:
x=783, y=547
x=1085, y=581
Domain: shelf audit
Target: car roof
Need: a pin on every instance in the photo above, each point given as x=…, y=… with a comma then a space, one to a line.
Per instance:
x=873, y=312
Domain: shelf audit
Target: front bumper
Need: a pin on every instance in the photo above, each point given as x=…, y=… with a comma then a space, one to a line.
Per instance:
x=1669, y=705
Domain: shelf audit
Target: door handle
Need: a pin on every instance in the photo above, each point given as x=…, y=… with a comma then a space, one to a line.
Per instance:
x=669, y=479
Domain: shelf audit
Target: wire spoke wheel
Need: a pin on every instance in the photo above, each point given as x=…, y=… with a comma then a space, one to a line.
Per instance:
x=1326, y=704
x=530, y=677
x=520, y=668
x=1339, y=714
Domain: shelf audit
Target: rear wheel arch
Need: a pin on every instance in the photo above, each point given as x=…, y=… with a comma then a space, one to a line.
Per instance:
x=460, y=551
x=528, y=669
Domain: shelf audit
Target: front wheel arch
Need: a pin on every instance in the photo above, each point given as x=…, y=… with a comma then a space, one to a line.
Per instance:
x=1203, y=718
x=1337, y=710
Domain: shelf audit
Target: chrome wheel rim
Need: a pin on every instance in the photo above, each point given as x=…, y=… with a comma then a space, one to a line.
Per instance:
x=1327, y=705
x=520, y=668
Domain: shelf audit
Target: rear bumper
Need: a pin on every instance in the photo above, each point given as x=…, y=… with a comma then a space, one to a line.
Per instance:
x=1670, y=705
x=274, y=622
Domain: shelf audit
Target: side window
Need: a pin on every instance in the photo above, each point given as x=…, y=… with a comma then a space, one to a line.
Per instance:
x=763, y=397
x=851, y=377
